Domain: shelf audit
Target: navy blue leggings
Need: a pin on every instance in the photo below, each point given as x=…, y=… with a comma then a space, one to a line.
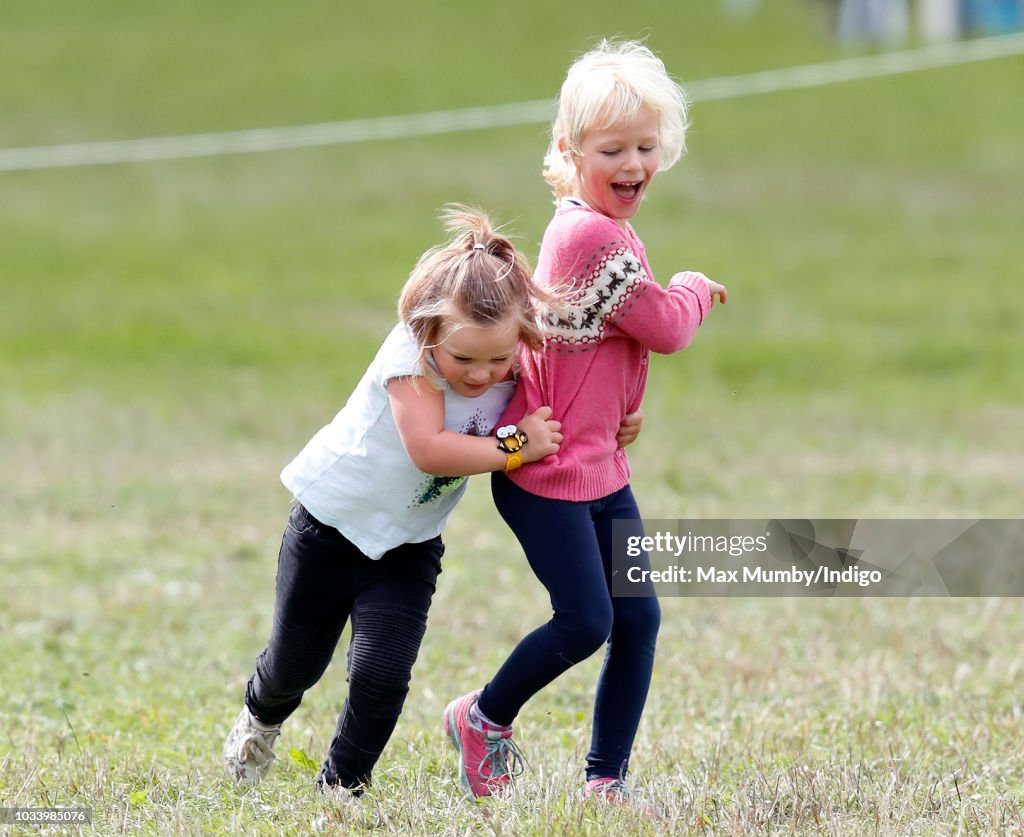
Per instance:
x=569, y=548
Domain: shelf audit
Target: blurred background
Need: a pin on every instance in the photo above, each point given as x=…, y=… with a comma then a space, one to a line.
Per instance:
x=173, y=331
x=868, y=230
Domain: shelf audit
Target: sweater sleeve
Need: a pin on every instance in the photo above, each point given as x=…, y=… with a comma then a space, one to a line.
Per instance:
x=614, y=288
x=665, y=319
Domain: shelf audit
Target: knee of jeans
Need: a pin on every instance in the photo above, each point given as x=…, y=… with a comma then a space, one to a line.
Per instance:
x=381, y=658
x=378, y=688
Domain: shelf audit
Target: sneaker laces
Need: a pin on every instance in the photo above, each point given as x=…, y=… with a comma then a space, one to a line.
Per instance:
x=615, y=789
x=503, y=756
x=259, y=743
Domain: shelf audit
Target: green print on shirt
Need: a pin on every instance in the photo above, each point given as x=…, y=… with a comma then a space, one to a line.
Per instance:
x=433, y=488
x=437, y=487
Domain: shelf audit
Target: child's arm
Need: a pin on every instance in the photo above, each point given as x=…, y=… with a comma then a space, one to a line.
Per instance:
x=615, y=289
x=418, y=408
x=666, y=319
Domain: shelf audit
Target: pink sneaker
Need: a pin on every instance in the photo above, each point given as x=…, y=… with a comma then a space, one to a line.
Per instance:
x=615, y=791
x=488, y=759
x=611, y=788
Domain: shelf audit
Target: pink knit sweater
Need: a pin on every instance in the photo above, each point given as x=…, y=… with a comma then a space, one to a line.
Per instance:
x=593, y=368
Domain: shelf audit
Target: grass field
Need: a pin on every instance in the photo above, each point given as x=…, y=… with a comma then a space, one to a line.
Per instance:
x=171, y=333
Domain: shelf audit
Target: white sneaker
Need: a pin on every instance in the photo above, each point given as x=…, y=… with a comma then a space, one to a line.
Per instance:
x=249, y=748
x=338, y=793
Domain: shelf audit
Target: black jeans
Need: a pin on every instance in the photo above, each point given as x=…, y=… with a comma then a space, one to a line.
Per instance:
x=323, y=580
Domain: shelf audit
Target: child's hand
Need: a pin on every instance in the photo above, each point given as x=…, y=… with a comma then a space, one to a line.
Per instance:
x=716, y=290
x=542, y=434
x=629, y=429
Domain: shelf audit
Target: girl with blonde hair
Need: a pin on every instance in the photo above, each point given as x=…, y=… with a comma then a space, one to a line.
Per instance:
x=621, y=120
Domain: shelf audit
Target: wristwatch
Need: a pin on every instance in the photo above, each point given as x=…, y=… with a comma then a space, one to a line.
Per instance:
x=511, y=440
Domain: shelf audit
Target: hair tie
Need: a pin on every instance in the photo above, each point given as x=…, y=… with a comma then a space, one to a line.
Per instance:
x=479, y=246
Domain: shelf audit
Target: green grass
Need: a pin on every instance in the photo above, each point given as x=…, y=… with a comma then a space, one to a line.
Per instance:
x=171, y=333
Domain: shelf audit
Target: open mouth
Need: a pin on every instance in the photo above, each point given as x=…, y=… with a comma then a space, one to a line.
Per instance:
x=627, y=191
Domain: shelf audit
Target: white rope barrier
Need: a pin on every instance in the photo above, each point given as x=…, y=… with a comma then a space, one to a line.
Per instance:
x=494, y=116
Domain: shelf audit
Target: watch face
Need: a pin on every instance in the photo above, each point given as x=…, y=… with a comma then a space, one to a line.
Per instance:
x=510, y=438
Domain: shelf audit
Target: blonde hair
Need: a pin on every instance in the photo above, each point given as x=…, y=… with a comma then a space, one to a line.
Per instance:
x=605, y=88
x=476, y=276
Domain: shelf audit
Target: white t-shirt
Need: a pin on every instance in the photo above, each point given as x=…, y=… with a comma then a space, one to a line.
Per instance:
x=355, y=474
